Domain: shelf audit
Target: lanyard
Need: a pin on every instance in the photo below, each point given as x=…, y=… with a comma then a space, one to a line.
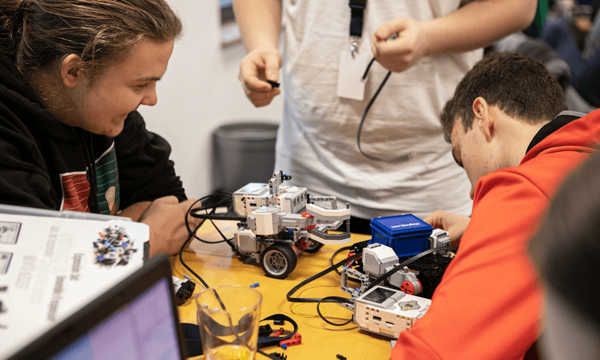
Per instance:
x=357, y=11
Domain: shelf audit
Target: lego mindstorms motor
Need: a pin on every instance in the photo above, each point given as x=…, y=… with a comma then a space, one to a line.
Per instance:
x=378, y=259
x=283, y=221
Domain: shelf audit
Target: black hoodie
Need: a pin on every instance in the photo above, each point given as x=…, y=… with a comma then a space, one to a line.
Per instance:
x=47, y=164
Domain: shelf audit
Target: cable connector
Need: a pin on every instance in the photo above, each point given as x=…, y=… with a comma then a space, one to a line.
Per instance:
x=265, y=330
x=358, y=247
x=278, y=356
x=183, y=289
x=274, y=84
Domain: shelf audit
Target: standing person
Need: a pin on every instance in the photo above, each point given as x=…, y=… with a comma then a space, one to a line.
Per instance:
x=407, y=166
x=72, y=74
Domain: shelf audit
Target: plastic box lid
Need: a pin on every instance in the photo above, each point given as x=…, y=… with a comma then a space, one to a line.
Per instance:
x=400, y=225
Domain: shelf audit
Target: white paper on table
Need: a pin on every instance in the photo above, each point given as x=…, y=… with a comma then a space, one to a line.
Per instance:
x=48, y=271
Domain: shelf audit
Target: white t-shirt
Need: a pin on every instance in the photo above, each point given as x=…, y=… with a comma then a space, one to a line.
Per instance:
x=316, y=142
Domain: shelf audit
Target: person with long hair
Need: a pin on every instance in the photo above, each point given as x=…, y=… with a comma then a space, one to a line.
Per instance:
x=72, y=75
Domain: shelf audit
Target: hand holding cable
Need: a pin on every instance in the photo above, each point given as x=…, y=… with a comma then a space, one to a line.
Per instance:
x=259, y=70
x=399, y=53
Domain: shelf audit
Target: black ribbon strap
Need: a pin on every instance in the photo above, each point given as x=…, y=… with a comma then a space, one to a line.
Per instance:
x=264, y=341
x=357, y=10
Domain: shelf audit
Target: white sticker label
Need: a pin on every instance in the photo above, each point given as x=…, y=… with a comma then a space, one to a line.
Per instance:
x=351, y=70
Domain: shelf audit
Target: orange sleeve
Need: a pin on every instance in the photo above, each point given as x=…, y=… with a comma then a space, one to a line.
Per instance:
x=487, y=305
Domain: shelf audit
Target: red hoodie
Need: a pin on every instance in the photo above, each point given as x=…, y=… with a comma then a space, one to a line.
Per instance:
x=489, y=304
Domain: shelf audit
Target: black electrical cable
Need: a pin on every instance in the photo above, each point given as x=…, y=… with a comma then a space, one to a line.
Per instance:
x=187, y=215
x=368, y=68
x=378, y=280
x=333, y=257
x=212, y=207
x=357, y=247
x=375, y=282
x=217, y=217
x=185, y=244
x=325, y=299
x=336, y=299
x=192, y=235
x=337, y=252
x=226, y=202
x=314, y=277
x=210, y=216
x=362, y=120
x=196, y=236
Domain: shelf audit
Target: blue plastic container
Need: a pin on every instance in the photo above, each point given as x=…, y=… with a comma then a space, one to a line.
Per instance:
x=406, y=234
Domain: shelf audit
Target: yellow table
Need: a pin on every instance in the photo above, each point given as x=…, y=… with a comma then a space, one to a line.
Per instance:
x=217, y=265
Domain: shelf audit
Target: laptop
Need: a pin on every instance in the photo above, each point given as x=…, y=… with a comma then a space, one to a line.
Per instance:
x=136, y=319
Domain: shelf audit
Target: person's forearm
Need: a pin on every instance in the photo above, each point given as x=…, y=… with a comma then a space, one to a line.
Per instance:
x=478, y=24
x=259, y=22
x=135, y=211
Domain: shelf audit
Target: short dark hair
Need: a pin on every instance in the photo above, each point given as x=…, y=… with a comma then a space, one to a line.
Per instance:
x=566, y=250
x=520, y=86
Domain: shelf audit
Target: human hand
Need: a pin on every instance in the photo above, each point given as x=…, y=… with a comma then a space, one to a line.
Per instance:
x=166, y=218
x=583, y=24
x=454, y=224
x=260, y=65
x=403, y=52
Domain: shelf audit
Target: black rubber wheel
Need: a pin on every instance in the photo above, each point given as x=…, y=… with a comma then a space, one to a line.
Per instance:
x=278, y=261
x=313, y=246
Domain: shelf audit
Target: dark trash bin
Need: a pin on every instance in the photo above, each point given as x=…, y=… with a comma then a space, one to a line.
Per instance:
x=243, y=153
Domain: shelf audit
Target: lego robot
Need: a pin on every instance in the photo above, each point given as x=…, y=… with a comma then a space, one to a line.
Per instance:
x=378, y=259
x=284, y=221
x=393, y=307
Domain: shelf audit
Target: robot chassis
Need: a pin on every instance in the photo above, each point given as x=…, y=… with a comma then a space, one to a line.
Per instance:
x=283, y=221
x=378, y=259
x=383, y=309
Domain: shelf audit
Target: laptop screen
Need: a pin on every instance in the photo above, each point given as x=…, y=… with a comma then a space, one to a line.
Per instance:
x=142, y=329
x=136, y=319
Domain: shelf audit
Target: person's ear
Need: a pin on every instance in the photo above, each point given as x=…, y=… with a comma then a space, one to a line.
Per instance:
x=484, y=117
x=70, y=70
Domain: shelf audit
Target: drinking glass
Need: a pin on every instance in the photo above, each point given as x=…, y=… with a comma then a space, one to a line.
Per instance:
x=228, y=318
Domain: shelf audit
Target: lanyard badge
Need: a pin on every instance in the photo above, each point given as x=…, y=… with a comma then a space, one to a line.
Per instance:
x=352, y=64
x=357, y=14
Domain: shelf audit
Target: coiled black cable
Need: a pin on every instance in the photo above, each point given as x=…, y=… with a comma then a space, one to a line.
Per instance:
x=334, y=299
x=192, y=232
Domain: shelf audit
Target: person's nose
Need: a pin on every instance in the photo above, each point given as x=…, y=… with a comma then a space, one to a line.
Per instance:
x=150, y=98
